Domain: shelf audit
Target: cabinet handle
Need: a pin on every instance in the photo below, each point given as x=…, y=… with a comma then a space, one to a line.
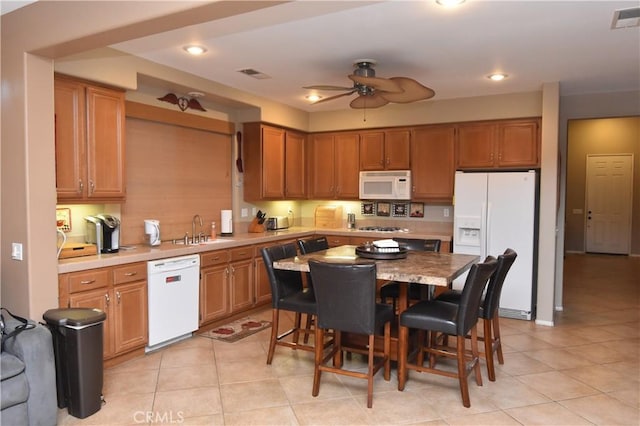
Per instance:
x=233, y=270
x=92, y=187
x=85, y=282
x=226, y=271
x=107, y=299
x=81, y=185
x=388, y=161
x=130, y=274
x=118, y=296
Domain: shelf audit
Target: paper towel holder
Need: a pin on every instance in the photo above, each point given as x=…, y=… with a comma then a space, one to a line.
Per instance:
x=226, y=223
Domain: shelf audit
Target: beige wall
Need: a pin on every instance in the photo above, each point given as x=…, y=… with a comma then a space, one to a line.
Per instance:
x=598, y=136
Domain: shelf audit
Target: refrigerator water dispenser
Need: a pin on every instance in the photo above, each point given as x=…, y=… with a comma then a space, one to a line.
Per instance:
x=468, y=231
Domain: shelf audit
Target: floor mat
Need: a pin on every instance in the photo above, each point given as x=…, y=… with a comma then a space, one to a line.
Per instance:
x=236, y=330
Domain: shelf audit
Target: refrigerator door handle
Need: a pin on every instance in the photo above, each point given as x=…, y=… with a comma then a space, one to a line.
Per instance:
x=483, y=231
x=487, y=227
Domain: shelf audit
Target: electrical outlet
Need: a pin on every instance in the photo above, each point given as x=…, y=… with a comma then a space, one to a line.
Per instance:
x=253, y=211
x=16, y=251
x=446, y=212
x=244, y=212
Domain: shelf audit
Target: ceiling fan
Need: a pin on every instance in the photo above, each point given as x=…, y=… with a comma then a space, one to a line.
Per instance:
x=374, y=92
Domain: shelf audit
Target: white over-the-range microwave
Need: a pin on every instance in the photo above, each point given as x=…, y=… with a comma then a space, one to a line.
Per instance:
x=385, y=185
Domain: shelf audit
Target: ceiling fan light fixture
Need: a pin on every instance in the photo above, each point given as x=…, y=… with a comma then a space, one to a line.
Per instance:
x=313, y=98
x=498, y=76
x=194, y=49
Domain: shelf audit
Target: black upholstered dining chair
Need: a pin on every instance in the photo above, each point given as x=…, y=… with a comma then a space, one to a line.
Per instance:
x=346, y=300
x=310, y=245
x=289, y=294
x=307, y=246
x=391, y=290
x=437, y=316
x=489, y=310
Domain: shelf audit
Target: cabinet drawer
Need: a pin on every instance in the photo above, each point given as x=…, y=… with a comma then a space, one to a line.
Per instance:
x=213, y=258
x=129, y=273
x=88, y=280
x=337, y=240
x=241, y=253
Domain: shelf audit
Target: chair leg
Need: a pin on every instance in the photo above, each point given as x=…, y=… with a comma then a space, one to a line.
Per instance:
x=337, y=343
x=296, y=325
x=307, y=328
x=403, y=352
x=319, y=336
x=422, y=335
x=275, y=315
x=370, y=362
x=488, y=350
x=496, y=337
x=462, y=371
x=387, y=351
x=475, y=360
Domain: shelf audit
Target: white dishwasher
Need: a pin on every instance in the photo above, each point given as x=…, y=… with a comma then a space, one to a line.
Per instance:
x=173, y=299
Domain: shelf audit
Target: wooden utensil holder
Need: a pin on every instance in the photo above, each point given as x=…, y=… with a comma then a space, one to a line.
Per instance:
x=255, y=227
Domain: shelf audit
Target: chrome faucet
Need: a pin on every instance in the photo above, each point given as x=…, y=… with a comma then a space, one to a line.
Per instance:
x=193, y=229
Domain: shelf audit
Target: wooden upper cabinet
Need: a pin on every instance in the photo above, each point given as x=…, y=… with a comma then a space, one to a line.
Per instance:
x=476, y=145
x=334, y=166
x=519, y=143
x=89, y=138
x=273, y=162
x=499, y=144
x=433, y=166
x=347, y=157
x=385, y=150
x=295, y=165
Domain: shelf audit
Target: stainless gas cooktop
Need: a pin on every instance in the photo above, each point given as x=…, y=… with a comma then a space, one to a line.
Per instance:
x=383, y=229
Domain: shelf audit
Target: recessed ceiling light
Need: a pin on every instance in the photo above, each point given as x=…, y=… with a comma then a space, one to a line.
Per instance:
x=449, y=3
x=195, y=49
x=313, y=98
x=497, y=76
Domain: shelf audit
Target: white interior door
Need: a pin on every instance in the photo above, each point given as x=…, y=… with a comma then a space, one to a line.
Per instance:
x=608, y=204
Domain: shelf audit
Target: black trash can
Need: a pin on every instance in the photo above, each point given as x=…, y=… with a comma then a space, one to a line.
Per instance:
x=77, y=346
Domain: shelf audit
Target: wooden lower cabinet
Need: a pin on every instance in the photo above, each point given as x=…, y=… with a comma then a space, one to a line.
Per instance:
x=241, y=272
x=121, y=293
x=214, y=286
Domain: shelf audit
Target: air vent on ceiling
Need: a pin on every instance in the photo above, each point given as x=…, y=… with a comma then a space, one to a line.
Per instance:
x=626, y=18
x=254, y=73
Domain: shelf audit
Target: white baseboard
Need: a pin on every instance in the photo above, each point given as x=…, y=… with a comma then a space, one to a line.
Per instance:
x=545, y=323
x=559, y=308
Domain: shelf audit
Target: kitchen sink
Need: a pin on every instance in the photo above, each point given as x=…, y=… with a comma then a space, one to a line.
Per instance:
x=204, y=243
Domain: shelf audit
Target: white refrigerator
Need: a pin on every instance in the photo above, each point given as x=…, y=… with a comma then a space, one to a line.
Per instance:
x=495, y=211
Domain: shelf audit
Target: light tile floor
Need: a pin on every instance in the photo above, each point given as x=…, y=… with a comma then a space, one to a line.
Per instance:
x=583, y=371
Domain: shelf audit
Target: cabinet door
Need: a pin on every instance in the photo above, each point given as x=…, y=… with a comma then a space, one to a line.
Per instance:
x=347, y=160
x=475, y=145
x=433, y=168
x=130, y=316
x=261, y=279
x=397, y=149
x=337, y=240
x=372, y=155
x=214, y=293
x=518, y=144
x=70, y=139
x=100, y=299
x=105, y=143
x=242, y=293
x=321, y=158
x=294, y=165
x=272, y=162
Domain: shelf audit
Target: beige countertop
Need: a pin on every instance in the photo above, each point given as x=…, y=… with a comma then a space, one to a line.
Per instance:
x=143, y=253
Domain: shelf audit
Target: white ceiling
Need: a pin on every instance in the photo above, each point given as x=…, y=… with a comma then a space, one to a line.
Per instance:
x=451, y=50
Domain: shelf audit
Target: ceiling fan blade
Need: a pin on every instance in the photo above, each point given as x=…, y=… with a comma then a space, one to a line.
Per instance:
x=377, y=83
x=412, y=91
x=327, y=87
x=368, y=101
x=330, y=98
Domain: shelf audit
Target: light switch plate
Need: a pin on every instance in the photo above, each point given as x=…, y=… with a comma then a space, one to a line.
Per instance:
x=16, y=251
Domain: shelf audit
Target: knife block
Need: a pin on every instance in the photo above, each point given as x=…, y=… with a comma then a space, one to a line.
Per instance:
x=255, y=227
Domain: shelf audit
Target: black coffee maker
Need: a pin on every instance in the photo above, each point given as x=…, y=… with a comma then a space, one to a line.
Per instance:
x=103, y=230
